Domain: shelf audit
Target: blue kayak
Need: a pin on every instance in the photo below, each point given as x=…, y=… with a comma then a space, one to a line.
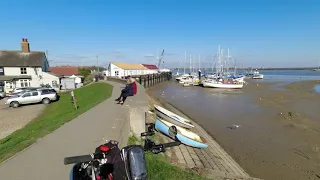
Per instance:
x=184, y=136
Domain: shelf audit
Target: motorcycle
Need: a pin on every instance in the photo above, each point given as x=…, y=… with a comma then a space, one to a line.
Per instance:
x=110, y=163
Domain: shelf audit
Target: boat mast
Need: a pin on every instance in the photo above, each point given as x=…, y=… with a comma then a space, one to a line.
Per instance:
x=193, y=64
x=185, y=61
x=218, y=67
x=212, y=63
x=199, y=62
x=228, y=60
x=190, y=63
x=223, y=61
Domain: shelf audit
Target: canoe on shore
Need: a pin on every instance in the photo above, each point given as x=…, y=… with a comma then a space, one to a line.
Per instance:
x=172, y=117
x=184, y=136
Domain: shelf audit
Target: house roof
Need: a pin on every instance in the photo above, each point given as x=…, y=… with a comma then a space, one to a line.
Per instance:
x=20, y=59
x=10, y=78
x=150, y=66
x=64, y=70
x=129, y=66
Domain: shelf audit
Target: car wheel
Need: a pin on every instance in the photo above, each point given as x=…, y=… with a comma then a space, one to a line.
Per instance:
x=14, y=104
x=45, y=101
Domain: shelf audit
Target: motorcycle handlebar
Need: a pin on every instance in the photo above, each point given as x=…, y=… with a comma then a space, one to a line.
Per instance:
x=83, y=158
x=171, y=144
x=90, y=157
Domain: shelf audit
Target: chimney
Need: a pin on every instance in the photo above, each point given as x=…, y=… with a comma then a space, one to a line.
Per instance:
x=25, y=46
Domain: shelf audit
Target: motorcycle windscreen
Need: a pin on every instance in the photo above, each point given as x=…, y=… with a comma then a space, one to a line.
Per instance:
x=136, y=163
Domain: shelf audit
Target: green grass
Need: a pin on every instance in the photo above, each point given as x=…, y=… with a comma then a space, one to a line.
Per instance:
x=160, y=168
x=54, y=115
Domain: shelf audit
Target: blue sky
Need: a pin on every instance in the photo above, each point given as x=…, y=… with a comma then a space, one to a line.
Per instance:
x=272, y=33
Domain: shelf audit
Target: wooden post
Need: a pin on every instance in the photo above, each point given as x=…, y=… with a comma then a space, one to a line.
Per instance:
x=148, y=80
x=140, y=80
x=152, y=79
x=74, y=100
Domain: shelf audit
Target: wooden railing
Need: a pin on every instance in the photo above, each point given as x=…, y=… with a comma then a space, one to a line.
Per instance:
x=147, y=80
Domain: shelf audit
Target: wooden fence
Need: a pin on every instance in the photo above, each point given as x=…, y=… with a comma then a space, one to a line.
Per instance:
x=147, y=80
x=153, y=79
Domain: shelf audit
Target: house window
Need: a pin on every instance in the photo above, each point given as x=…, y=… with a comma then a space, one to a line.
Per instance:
x=9, y=85
x=23, y=70
x=55, y=84
x=116, y=73
x=24, y=83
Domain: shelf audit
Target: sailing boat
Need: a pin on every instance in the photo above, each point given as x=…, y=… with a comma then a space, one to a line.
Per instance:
x=184, y=75
x=257, y=75
x=223, y=79
x=191, y=78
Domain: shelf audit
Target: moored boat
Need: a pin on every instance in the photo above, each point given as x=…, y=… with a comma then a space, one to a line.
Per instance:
x=222, y=83
x=183, y=135
x=172, y=117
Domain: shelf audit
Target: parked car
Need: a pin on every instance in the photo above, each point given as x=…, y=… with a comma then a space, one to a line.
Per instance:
x=35, y=96
x=2, y=94
x=19, y=91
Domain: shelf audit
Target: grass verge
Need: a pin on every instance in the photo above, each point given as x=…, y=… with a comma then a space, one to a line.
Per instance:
x=54, y=115
x=160, y=168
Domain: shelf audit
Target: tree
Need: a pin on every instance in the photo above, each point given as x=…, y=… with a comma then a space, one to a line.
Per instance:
x=84, y=72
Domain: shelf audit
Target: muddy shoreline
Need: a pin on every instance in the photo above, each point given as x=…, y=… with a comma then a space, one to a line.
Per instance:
x=279, y=137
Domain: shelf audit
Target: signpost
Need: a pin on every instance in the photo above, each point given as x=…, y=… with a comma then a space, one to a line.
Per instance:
x=74, y=100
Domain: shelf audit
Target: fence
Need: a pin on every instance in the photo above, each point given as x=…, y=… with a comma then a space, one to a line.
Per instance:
x=153, y=79
x=147, y=80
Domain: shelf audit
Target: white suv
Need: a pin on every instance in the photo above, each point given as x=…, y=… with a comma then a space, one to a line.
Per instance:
x=36, y=96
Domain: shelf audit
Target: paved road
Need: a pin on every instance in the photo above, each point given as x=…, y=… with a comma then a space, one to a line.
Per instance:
x=44, y=160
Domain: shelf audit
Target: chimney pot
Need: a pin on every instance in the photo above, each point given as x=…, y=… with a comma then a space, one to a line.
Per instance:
x=25, y=46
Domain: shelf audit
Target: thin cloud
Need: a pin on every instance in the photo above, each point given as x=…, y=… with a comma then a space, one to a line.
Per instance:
x=116, y=51
x=148, y=55
x=71, y=56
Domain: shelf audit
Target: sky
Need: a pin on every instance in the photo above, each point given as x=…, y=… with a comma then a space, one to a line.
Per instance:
x=259, y=33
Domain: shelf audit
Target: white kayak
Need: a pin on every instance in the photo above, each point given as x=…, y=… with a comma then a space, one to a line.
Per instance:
x=172, y=117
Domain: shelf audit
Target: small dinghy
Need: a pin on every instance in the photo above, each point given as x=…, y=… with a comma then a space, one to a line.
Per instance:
x=172, y=117
x=183, y=135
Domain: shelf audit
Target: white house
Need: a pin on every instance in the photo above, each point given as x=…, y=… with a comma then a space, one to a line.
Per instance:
x=25, y=68
x=152, y=69
x=123, y=69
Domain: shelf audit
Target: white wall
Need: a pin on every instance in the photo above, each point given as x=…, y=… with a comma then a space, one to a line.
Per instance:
x=112, y=70
x=37, y=77
x=50, y=79
x=121, y=72
x=152, y=71
x=76, y=79
x=35, y=74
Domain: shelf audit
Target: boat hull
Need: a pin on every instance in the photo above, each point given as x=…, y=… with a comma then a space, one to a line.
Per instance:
x=223, y=86
x=172, y=118
x=184, y=136
x=260, y=76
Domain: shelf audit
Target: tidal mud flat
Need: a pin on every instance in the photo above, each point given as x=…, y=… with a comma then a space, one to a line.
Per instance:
x=279, y=130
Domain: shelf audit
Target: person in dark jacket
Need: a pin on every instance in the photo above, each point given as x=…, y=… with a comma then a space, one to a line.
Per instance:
x=127, y=91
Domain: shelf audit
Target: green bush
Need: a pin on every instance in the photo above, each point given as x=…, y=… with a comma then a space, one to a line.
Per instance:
x=88, y=79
